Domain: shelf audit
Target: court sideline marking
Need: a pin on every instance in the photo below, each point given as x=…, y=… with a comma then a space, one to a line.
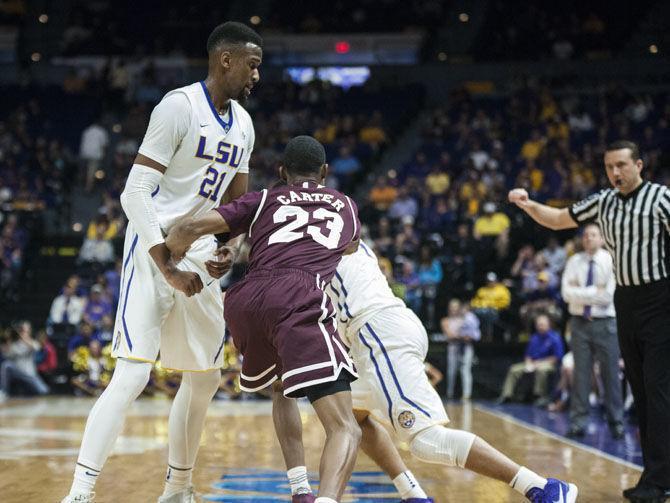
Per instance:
x=592, y=450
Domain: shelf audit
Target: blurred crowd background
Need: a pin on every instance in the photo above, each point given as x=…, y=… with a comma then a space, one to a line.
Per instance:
x=429, y=152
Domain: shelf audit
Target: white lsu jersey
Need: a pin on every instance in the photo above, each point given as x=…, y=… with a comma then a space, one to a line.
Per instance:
x=201, y=149
x=359, y=290
x=202, y=152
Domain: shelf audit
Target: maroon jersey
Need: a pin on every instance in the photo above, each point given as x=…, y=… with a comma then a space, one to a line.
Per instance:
x=306, y=226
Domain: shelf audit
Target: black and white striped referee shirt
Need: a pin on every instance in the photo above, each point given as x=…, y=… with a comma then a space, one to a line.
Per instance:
x=636, y=228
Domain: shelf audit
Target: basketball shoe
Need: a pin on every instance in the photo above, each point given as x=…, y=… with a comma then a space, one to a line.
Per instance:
x=79, y=498
x=554, y=491
x=303, y=498
x=185, y=496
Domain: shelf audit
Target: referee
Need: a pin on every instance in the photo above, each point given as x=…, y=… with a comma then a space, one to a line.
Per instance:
x=634, y=216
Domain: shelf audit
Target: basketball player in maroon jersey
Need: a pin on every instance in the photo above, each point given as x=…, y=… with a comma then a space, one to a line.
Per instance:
x=280, y=318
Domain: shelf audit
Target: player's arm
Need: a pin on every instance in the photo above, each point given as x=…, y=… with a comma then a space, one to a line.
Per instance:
x=187, y=230
x=167, y=127
x=137, y=203
x=228, y=249
x=352, y=248
x=553, y=218
x=356, y=237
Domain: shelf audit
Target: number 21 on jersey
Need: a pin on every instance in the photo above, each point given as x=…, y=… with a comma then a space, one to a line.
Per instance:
x=292, y=230
x=226, y=155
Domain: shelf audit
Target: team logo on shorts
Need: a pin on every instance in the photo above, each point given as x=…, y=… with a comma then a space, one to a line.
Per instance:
x=406, y=419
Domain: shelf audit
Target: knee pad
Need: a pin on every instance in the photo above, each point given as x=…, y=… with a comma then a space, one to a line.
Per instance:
x=445, y=446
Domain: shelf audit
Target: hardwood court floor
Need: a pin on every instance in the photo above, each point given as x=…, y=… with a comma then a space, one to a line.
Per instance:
x=39, y=439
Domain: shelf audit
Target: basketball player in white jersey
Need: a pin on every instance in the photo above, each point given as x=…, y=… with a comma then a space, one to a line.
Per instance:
x=196, y=148
x=388, y=345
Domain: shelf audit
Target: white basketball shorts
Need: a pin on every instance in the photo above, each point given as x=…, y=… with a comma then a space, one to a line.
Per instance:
x=152, y=316
x=389, y=353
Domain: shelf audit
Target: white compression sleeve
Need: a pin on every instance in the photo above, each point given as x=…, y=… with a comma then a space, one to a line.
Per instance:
x=106, y=419
x=185, y=426
x=187, y=416
x=136, y=202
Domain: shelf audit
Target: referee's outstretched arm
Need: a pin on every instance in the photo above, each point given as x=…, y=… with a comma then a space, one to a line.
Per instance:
x=553, y=218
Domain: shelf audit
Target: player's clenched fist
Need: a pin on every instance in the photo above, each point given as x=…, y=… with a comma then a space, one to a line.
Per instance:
x=225, y=257
x=518, y=197
x=184, y=281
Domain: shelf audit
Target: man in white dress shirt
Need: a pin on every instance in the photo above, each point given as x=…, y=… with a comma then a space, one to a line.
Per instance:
x=588, y=288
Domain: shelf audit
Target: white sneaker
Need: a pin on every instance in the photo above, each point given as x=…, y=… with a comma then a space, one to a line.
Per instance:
x=185, y=496
x=79, y=498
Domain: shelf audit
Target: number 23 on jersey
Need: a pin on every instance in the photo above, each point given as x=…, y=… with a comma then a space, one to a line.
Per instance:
x=295, y=229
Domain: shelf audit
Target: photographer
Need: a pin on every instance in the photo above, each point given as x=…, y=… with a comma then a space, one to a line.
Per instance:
x=18, y=350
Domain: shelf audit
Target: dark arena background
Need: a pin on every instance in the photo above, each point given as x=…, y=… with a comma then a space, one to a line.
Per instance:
x=430, y=112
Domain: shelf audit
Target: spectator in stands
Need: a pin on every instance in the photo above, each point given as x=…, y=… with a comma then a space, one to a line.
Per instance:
x=544, y=297
x=430, y=275
x=491, y=223
x=471, y=192
x=524, y=265
x=67, y=308
x=383, y=240
x=82, y=338
x=382, y=194
x=105, y=333
x=90, y=363
x=373, y=133
x=97, y=307
x=437, y=182
x=565, y=384
x=478, y=156
x=386, y=267
x=489, y=300
x=532, y=147
x=418, y=168
x=102, y=227
x=439, y=217
x=491, y=229
x=47, y=357
x=113, y=280
x=410, y=280
x=407, y=240
x=462, y=329
x=99, y=249
x=18, y=362
x=404, y=205
x=11, y=259
x=345, y=166
x=543, y=354
x=555, y=255
x=459, y=263
x=92, y=150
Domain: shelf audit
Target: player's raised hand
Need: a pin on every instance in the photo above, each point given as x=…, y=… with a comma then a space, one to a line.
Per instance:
x=225, y=257
x=185, y=281
x=519, y=197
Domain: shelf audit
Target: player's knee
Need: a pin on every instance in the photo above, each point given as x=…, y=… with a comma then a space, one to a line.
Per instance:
x=204, y=384
x=344, y=426
x=130, y=378
x=353, y=432
x=445, y=446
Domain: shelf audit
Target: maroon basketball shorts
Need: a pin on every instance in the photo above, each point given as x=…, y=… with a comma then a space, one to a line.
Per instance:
x=283, y=324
